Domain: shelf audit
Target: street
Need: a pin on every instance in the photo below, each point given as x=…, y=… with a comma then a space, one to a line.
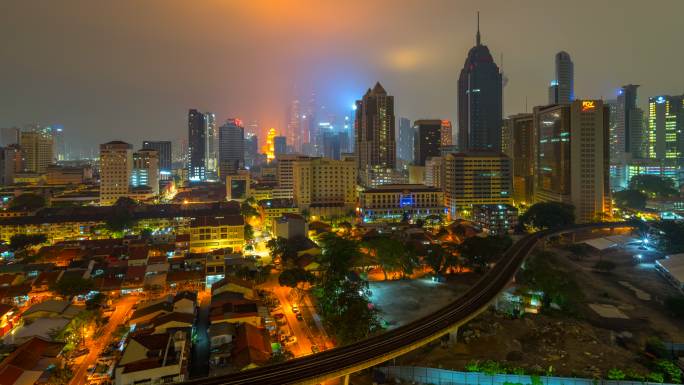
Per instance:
x=123, y=306
x=200, y=347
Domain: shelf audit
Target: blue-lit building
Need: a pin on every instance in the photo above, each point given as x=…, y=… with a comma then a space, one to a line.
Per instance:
x=393, y=202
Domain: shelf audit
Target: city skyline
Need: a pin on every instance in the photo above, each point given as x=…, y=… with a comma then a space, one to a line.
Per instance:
x=109, y=96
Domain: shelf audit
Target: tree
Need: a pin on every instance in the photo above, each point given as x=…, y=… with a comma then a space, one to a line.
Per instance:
x=249, y=232
x=337, y=256
x=630, y=199
x=670, y=237
x=435, y=258
x=653, y=185
x=71, y=286
x=479, y=251
x=122, y=217
x=27, y=202
x=293, y=277
x=540, y=274
x=387, y=251
x=549, y=215
x=347, y=311
x=247, y=210
x=22, y=241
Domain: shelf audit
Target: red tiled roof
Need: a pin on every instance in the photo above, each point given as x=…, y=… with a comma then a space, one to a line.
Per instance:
x=171, y=317
x=138, y=252
x=135, y=273
x=7, y=279
x=9, y=374
x=153, y=341
x=28, y=354
x=48, y=278
x=251, y=346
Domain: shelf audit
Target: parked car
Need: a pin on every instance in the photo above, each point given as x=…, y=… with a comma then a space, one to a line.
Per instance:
x=295, y=308
x=300, y=317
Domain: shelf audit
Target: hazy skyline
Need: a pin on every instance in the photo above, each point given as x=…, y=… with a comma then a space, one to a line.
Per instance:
x=130, y=70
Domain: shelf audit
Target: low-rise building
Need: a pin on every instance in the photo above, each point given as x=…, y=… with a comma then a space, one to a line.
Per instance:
x=394, y=202
x=275, y=208
x=154, y=359
x=498, y=219
x=209, y=233
x=290, y=225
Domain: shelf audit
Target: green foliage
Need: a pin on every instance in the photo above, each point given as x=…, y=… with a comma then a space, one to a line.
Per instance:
x=60, y=375
x=548, y=215
x=27, y=202
x=95, y=302
x=478, y=252
x=71, y=286
x=670, y=239
x=393, y=255
x=558, y=287
x=247, y=209
x=671, y=371
x=536, y=380
x=491, y=368
x=606, y=266
x=655, y=377
x=675, y=305
x=293, y=277
x=631, y=199
x=472, y=366
x=346, y=310
x=653, y=185
x=121, y=218
x=616, y=374
x=337, y=256
x=249, y=232
x=22, y=241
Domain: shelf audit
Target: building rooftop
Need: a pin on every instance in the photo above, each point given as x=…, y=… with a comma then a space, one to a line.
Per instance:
x=385, y=188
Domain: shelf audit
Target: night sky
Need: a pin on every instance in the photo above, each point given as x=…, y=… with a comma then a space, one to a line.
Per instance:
x=130, y=70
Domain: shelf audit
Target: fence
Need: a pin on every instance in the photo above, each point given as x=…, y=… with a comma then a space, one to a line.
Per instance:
x=422, y=375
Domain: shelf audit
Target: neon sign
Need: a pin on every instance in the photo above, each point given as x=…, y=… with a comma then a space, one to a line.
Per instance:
x=588, y=105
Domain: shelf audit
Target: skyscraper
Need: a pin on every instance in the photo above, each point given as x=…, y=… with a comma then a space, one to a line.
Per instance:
x=164, y=151
x=405, y=140
x=116, y=165
x=521, y=147
x=280, y=145
x=145, y=170
x=9, y=135
x=9, y=157
x=665, y=123
x=270, y=145
x=628, y=137
x=562, y=88
x=294, y=131
x=572, y=161
x=251, y=149
x=447, y=135
x=231, y=147
x=212, y=144
x=427, y=140
x=38, y=148
x=479, y=100
x=197, y=146
x=374, y=130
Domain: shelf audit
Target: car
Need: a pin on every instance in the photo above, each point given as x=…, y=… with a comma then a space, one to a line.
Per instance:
x=80, y=352
x=300, y=317
x=278, y=315
x=295, y=309
x=290, y=340
x=315, y=349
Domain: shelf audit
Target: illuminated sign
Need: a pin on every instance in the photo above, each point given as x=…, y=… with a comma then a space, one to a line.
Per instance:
x=588, y=105
x=660, y=100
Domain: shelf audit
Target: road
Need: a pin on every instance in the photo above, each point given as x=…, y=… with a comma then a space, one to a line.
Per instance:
x=299, y=328
x=200, y=348
x=123, y=307
x=374, y=350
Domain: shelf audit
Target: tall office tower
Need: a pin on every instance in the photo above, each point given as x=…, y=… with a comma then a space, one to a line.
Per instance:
x=521, y=147
x=164, y=150
x=562, y=88
x=434, y=172
x=269, y=148
x=405, y=140
x=8, y=164
x=324, y=184
x=9, y=135
x=294, y=131
x=427, y=140
x=116, y=166
x=628, y=130
x=251, y=150
x=197, y=146
x=59, y=150
x=37, y=147
x=351, y=129
x=231, y=147
x=480, y=100
x=447, y=133
x=280, y=145
x=284, y=167
x=331, y=145
x=345, y=144
x=212, y=146
x=572, y=161
x=374, y=131
x=145, y=170
x=476, y=178
x=665, y=125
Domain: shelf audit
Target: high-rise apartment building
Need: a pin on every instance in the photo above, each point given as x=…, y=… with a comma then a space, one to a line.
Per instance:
x=629, y=141
x=476, y=178
x=374, y=130
x=8, y=136
x=294, y=130
x=434, y=172
x=145, y=170
x=231, y=147
x=197, y=146
x=665, y=125
x=521, y=150
x=324, y=185
x=116, y=166
x=38, y=149
x=164, y=151
x=332, y=144
x=446, y=133
x=270, y=145
x=251, y=150
x=212, y=146
x=405, y=140
x=9, y=156
x=562, y=88
x=480, y=100
x=572, y=161
x=280, y=145
x=427, y=139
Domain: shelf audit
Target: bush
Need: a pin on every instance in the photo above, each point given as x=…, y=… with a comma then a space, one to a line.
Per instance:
x=616, y=374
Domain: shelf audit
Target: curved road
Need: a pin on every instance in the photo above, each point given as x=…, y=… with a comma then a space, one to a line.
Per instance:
x=372, y=351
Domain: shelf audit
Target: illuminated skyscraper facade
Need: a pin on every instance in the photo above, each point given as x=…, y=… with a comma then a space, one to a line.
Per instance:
x=116, y=166
x=562, y=88
x=665, y=125
x=521, y=148
x=146, y=169
x=479, y=100
x=231, y=147
x=164, y=149
x=427, y=140
x=212, y=146
x=270, y=145
x=405, y=140
x=37, y=146
x=374, y=131
x=446, y=133
x=197, y=146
